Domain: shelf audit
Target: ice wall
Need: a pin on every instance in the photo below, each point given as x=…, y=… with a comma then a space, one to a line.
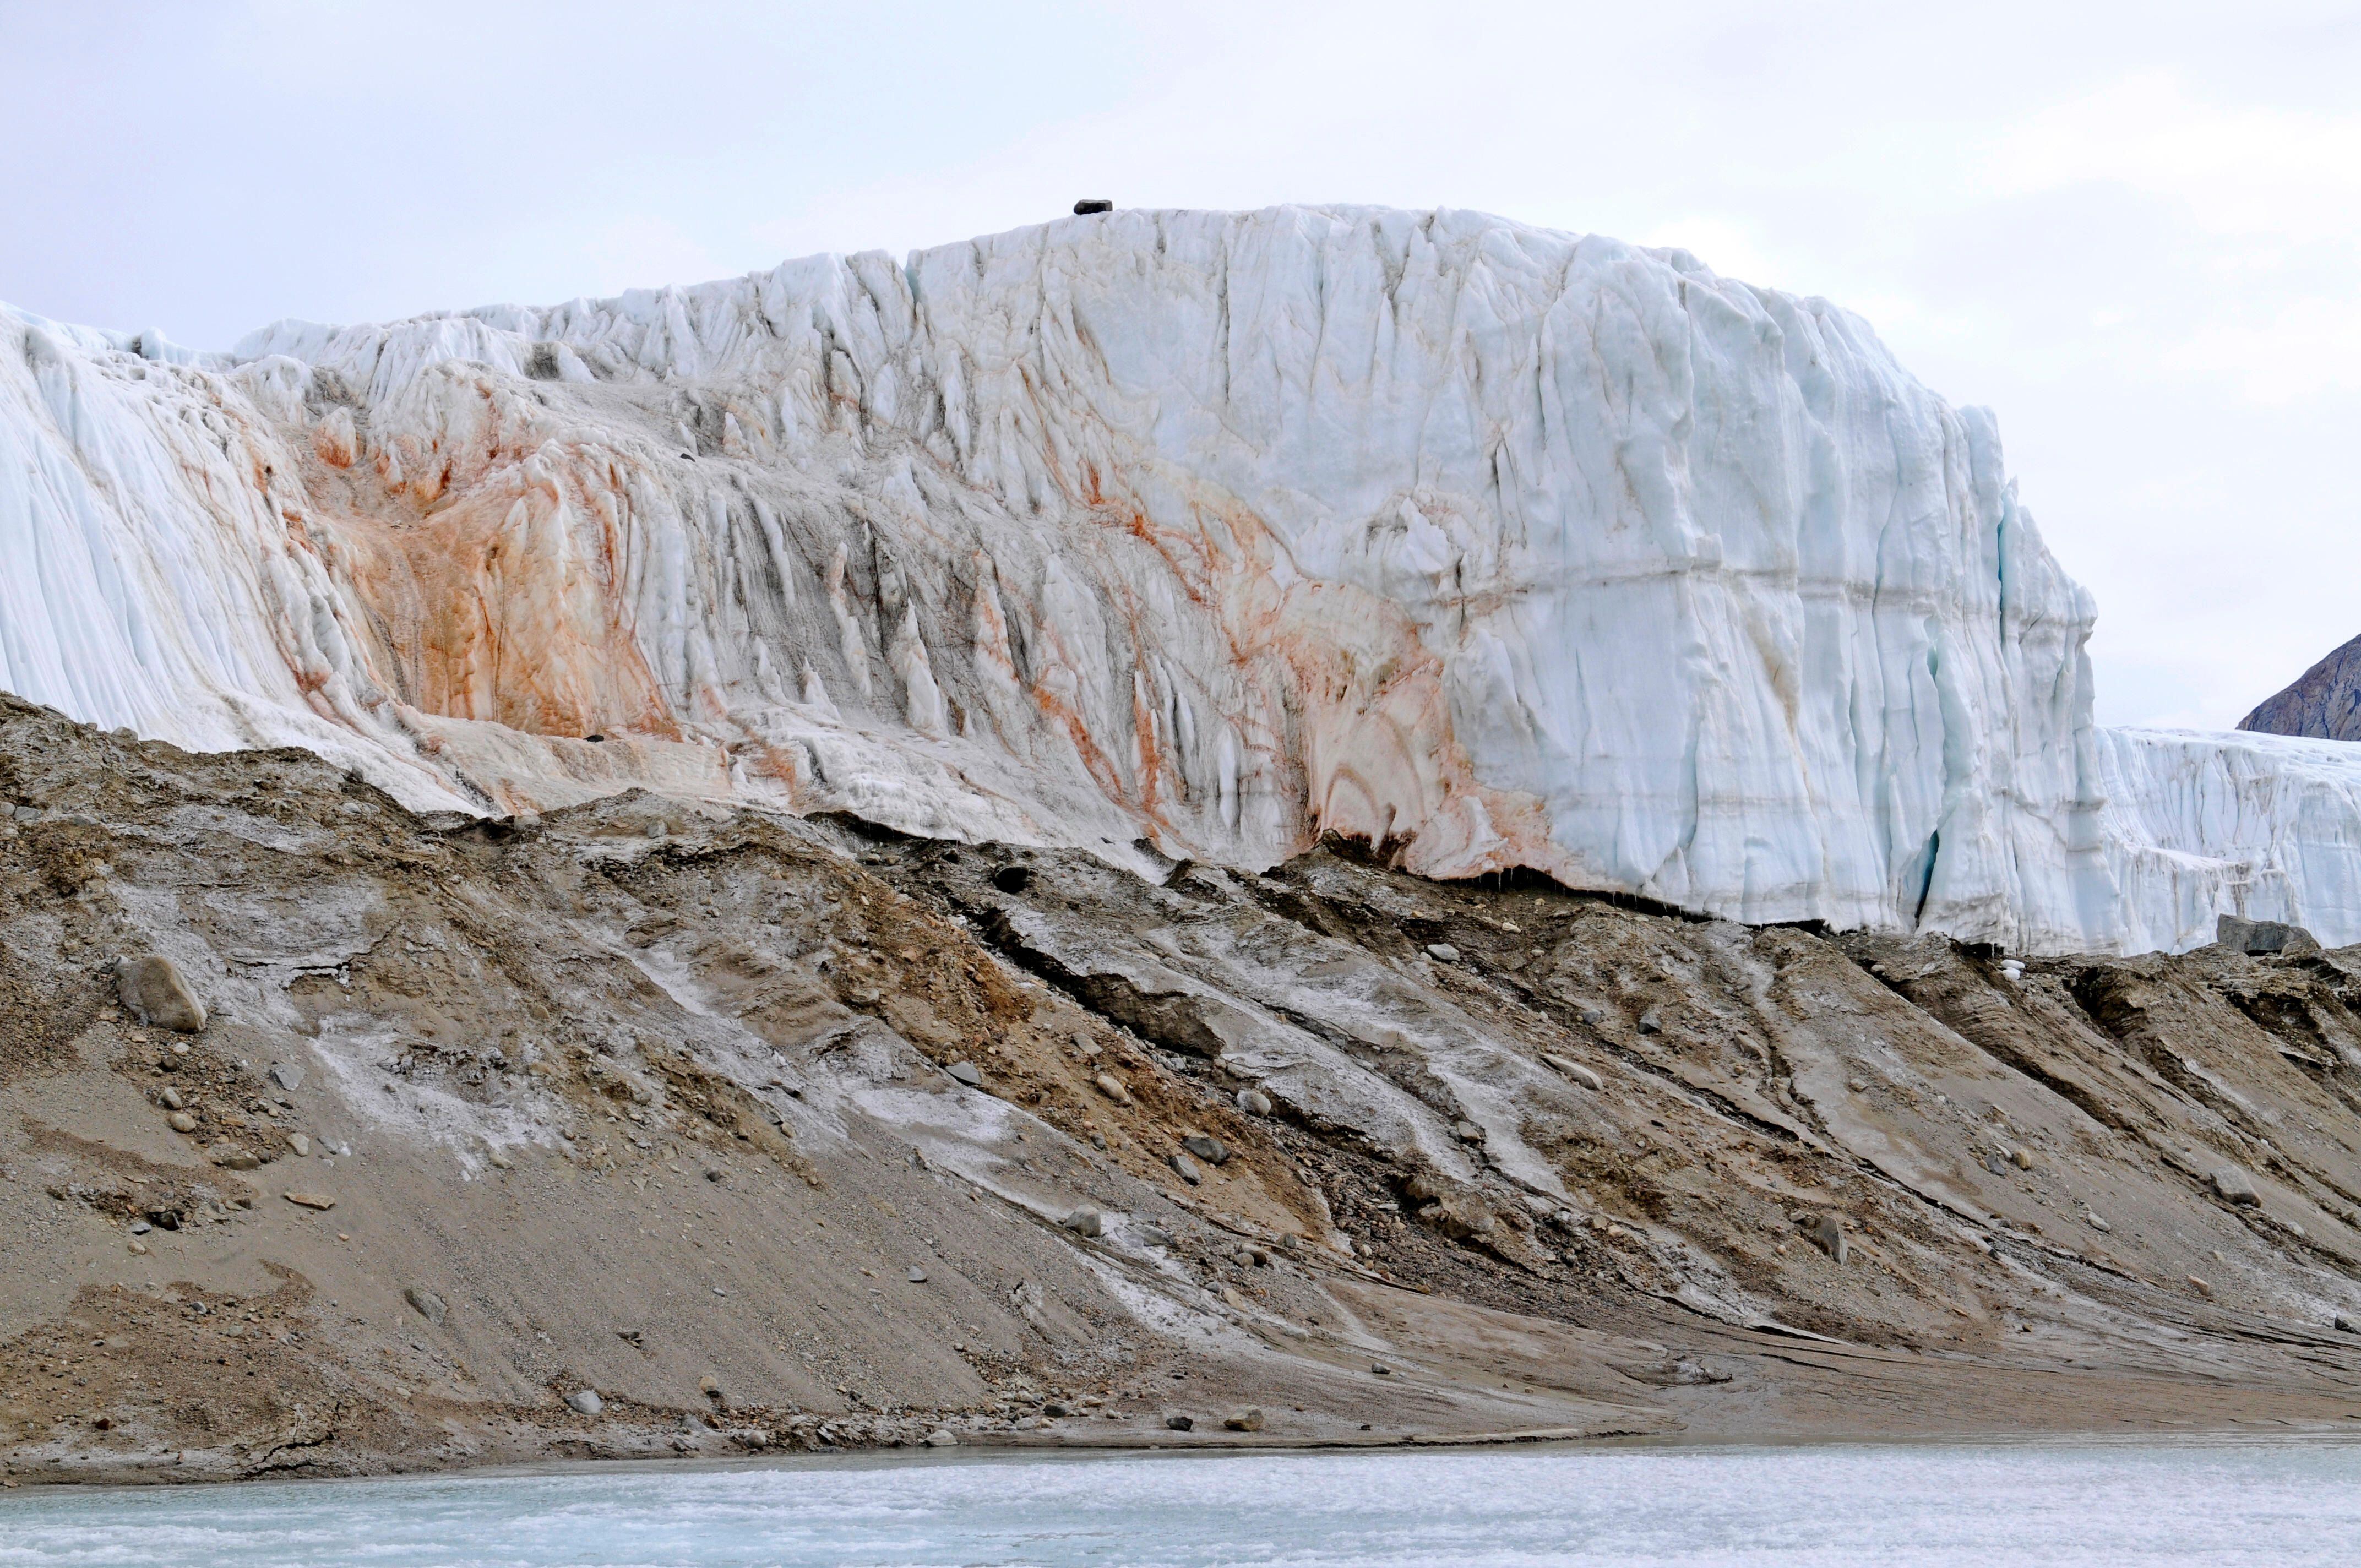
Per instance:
x=1208, y=532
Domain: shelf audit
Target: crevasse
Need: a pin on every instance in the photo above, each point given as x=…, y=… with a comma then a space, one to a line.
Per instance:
x=1199, y=532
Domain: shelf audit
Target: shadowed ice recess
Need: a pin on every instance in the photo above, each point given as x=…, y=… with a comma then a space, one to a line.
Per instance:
x=2280, y=1503
x=1197, y=533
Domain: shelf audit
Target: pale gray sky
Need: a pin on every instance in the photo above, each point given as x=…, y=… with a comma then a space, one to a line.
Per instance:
x=2133, y=229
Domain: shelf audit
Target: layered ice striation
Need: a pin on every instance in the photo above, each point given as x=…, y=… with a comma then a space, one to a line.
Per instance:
x=1199, y=533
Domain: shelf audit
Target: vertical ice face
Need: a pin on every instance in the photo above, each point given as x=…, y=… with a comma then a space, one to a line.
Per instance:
x=1490, y=545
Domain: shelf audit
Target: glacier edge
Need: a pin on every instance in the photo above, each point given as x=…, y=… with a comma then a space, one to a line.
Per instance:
x=1204, y=533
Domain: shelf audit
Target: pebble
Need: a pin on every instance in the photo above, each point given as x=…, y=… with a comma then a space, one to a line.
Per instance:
x=1187, y=1169
x=967, y=1073
x=140, y=1248
x=300, y=1145
x=1180, y=1423
x=584, y=1403
x=1111, y=1087
x=1211, y=1150
x=2095, y=1222
x=1381, y=1369
x=1247, y=1419
x=234, y=1160
x=1057, y=1408
x=1085, y=1222
x=311, y=1200
x=1254, y=1103
x=182, y=1121
x=1649, y=1024
x=1442, y=952
x=1576, y=1071
x=1467, y=1132
x=427, y=1304
x=942, y=1437
x=918, y=1277
x=2200, y=1285
x=172, y=1099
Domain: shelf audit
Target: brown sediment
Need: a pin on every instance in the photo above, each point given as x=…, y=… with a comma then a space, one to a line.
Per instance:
x=655, y=1093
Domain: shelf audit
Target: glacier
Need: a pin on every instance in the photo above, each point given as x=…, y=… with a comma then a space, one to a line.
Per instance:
x=1169, y=535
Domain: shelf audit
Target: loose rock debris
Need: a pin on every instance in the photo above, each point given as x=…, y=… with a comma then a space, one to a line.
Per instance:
x=662, y=1113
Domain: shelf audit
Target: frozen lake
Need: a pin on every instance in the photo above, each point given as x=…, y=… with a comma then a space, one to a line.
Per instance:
x=2199, y=1501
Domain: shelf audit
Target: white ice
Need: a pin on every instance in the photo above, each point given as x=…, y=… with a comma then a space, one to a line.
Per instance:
x=1492, y=545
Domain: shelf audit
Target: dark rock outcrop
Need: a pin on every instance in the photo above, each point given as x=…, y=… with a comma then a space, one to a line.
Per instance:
x=2325, y=703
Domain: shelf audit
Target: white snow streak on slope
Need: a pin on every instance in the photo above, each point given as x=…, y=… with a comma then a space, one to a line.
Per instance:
x=1506, y=546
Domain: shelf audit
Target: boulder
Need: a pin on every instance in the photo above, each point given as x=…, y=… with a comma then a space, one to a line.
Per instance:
x=1826, y=1233
x=1247, y=1419
x=1213, y=1151
x=427, y=1304
x=157, y=993
x=585, y=1402
x=2261, y=936
x=2235, y=1186
x=966, y=1072
x=1575, y=1070
x=1085, y=1222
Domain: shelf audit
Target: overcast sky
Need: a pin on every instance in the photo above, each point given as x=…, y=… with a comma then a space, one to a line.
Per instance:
x=2133, y=230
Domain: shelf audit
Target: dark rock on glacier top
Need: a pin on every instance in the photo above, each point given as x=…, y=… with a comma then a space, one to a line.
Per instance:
x=2325, y=703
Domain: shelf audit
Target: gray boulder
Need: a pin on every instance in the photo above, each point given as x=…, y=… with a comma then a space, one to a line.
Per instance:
x=1826, y=1233
x=2261, y=936
x=2233, y=1185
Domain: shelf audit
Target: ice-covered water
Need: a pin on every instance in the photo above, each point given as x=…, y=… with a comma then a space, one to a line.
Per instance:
x=2213, y=1502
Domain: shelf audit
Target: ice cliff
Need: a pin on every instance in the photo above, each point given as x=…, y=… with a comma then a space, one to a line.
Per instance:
x=1205, y=533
